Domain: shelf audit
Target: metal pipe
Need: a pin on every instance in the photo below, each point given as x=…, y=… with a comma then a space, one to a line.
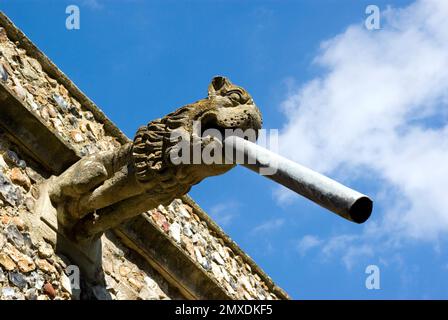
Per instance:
x=332, y=195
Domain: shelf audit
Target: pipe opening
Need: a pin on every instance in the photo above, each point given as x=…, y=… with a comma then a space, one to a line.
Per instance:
x=360, y=210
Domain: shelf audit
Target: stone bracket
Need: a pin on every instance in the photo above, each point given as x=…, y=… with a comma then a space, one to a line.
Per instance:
x=87, y=256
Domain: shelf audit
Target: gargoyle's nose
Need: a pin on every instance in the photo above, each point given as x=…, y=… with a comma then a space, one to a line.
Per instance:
x=242, y=117
x=256, y=119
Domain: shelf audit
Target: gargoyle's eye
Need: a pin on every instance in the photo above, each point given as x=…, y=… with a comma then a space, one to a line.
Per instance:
x=236, y=96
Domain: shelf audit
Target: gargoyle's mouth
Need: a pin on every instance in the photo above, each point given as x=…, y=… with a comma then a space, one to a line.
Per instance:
x=210, y=121
x=241, y=120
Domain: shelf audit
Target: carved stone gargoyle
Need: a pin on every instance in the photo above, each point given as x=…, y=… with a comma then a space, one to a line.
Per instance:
x=103, y=190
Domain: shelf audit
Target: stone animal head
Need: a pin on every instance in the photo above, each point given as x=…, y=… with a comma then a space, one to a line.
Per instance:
x=189, y=133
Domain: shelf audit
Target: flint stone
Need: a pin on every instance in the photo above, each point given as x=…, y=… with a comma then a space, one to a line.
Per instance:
x=18, y=178
x=29, y=73
x=8, y=292
x=125, y=292
x=3, y=73
x=51, y=81
x=2, y=276
x=3, y=163
x=91, y=136
x=184, y=212
x=110, y=283
x=13, y=234
x=35, y=64
x=9, y=192
x=44, y=114
x=41, y=99
x=216, y=271
x=13, y=159
x=74, y=111
x=13, y=252
x=29, y=245
x=17, y=279
x=45, y=250
x=160, y=220
x=89, y=116
x=20, y=91
x=229, y=288
x=34, y=106
x=198, y=255
x=36, y=280
x=76, y=136
x=57, y=124
x=89, y=149
x=26, y=264
x=2, y=240
x=124, y=270
x=6, y=262
x=19, y=223
x=206, y=264
x=6, y=219
x=135, y=284
x=73, y=121
x=146, y=294
x=218, y=258
x=246, y=284
x=233, y=284
x=188, y=245
x=52, y=112
x=45, y=266
x=66, y=283
x=175, y=231
x=187, y=230
x=196, y=238
x=31, y=294
x=150, y=283
x=62, y=104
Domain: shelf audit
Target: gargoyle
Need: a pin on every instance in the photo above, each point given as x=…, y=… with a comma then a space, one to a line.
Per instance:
x=103, y=190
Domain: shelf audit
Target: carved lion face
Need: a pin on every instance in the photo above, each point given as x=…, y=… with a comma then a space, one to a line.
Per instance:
x=231, y=107
x=227, y=107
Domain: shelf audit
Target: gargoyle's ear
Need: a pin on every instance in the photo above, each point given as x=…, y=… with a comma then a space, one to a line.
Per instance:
x=217, y=84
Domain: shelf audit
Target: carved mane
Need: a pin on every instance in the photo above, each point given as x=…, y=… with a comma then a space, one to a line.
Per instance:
x=104, y=189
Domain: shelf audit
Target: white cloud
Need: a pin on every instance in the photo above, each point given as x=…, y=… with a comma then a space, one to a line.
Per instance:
x=381, y=107
x=224, y=213
x=307, y=243
x=93, y=4
x=345, y=247
x=284, y=196
x=268, y=226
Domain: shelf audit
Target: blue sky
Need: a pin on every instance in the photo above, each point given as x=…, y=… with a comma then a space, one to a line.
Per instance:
x=366, y=107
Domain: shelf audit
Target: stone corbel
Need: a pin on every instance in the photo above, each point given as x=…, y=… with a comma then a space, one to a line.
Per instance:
x=103, y=190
